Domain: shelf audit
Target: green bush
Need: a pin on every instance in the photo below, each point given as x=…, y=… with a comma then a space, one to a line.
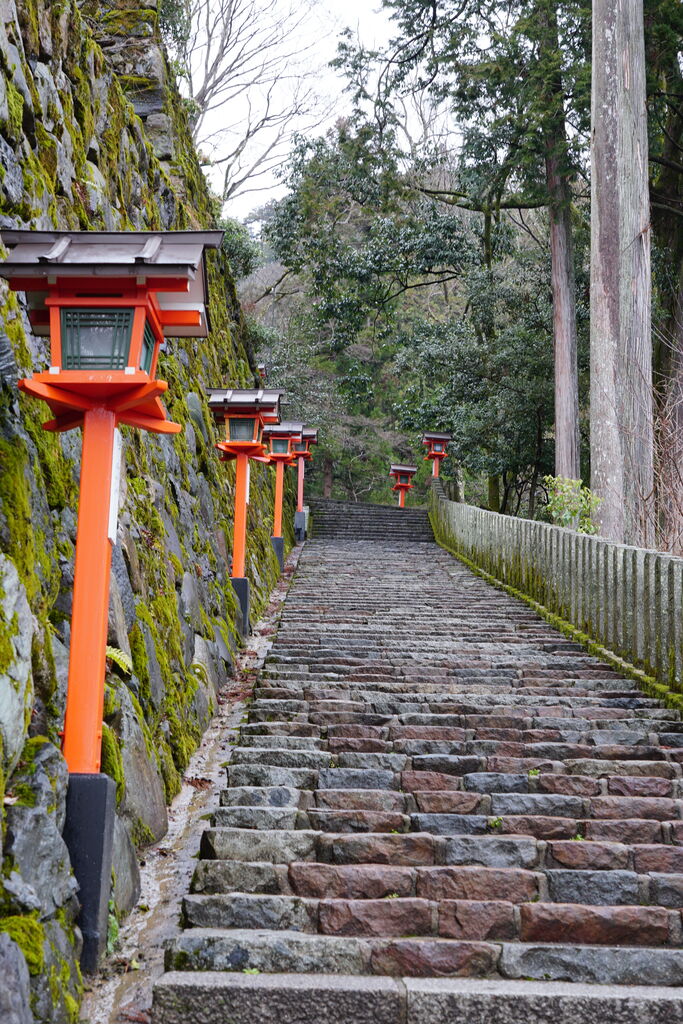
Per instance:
x=571, y=504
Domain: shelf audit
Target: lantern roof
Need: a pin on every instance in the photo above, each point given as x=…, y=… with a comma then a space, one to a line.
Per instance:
x=243, y=401
x=402, y=469
x=431, y=435
x=170, y=263
x=288, y=428
x=310, y=434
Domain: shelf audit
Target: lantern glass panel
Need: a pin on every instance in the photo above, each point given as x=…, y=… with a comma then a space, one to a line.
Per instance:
x=438, y=447
x=300, y=446
x=404, y=478
x=96, y=339
x=279, y=445
x=242, y=428
x=148, y=344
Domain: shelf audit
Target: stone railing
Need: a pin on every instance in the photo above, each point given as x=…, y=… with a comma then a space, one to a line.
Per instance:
x=625, y=599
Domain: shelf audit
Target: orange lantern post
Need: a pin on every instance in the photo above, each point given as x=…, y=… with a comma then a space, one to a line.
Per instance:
x=303, y=454
x=244, y=413
x=106, y=300
x=281, y=438
x=437, y=445
x=403, y=476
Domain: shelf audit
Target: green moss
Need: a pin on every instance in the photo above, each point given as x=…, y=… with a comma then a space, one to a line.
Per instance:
x=27, y=760
x=15, y=105
x=47, y=153
x=141, y=834
x=8, y=630
x=26, y=545
x=29, y=936
x=130, y=22
x=112, y=701
x=112, y=762
x=139, y=655
x=22, y=794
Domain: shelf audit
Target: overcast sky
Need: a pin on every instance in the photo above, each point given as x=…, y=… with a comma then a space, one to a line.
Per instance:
x=333, y=16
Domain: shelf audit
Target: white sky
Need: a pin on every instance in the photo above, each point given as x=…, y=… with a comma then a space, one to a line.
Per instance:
x=333, y=16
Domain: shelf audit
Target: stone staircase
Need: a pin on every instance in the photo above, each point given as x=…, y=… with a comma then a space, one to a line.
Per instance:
x=440, y=810
x=357, y=521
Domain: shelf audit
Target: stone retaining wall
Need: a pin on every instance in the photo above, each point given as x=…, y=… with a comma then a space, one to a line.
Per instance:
x=627, y=599
x=94, y=135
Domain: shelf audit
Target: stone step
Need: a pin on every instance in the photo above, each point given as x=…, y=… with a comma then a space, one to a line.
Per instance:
x=331, y=999
x=432, y=782
x=212, y=949
x=372, y=880
x=455, y=919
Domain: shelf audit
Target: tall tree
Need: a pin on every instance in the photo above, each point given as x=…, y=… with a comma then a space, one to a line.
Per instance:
x=664, y=61
x=513, y=73
x=621, y=348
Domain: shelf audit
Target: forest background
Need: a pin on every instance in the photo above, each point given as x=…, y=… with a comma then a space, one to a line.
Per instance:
x=405, y=280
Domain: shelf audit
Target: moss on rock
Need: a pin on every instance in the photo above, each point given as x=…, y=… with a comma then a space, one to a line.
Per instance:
x=29, y=936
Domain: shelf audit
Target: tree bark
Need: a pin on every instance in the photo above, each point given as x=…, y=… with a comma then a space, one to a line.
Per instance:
x=557, y=169
x=494, y=493
x=621, y=354
x=567, y=440
x=666, y=191
x=327, y=478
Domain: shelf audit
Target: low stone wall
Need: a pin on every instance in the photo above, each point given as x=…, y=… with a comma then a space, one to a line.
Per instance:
x=626, y=599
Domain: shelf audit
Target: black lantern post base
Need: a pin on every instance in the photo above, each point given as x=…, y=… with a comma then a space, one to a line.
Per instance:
x=89, y=837
x=240, y=584
x=279, y=549
x=300, y=525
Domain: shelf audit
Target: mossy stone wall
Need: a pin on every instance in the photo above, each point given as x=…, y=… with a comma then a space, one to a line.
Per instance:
x=93, y=135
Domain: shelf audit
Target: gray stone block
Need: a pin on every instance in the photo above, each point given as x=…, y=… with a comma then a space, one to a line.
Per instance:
x=666, y=890
x=313, y=759
x=239, y=876
x=386, y=762
x=449, y=824
x=469, y=1001
x=207, y=998
x=256, y=817
x=593, y=887
x=357, y=778
x=258, y=796
x=450, y=765
x=490, y=782
x=592, y=964
x=265, y=775
x=240, y=910
x=492, y=851
x=279, y=847
x=553, y=804
x=209, y=949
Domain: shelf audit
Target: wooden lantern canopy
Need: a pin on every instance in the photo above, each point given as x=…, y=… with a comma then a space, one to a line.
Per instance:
x=243, y=413
x=302, y=453
x=106, y=300
x=437, y=449
x=403, y=476
x=282, y=438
